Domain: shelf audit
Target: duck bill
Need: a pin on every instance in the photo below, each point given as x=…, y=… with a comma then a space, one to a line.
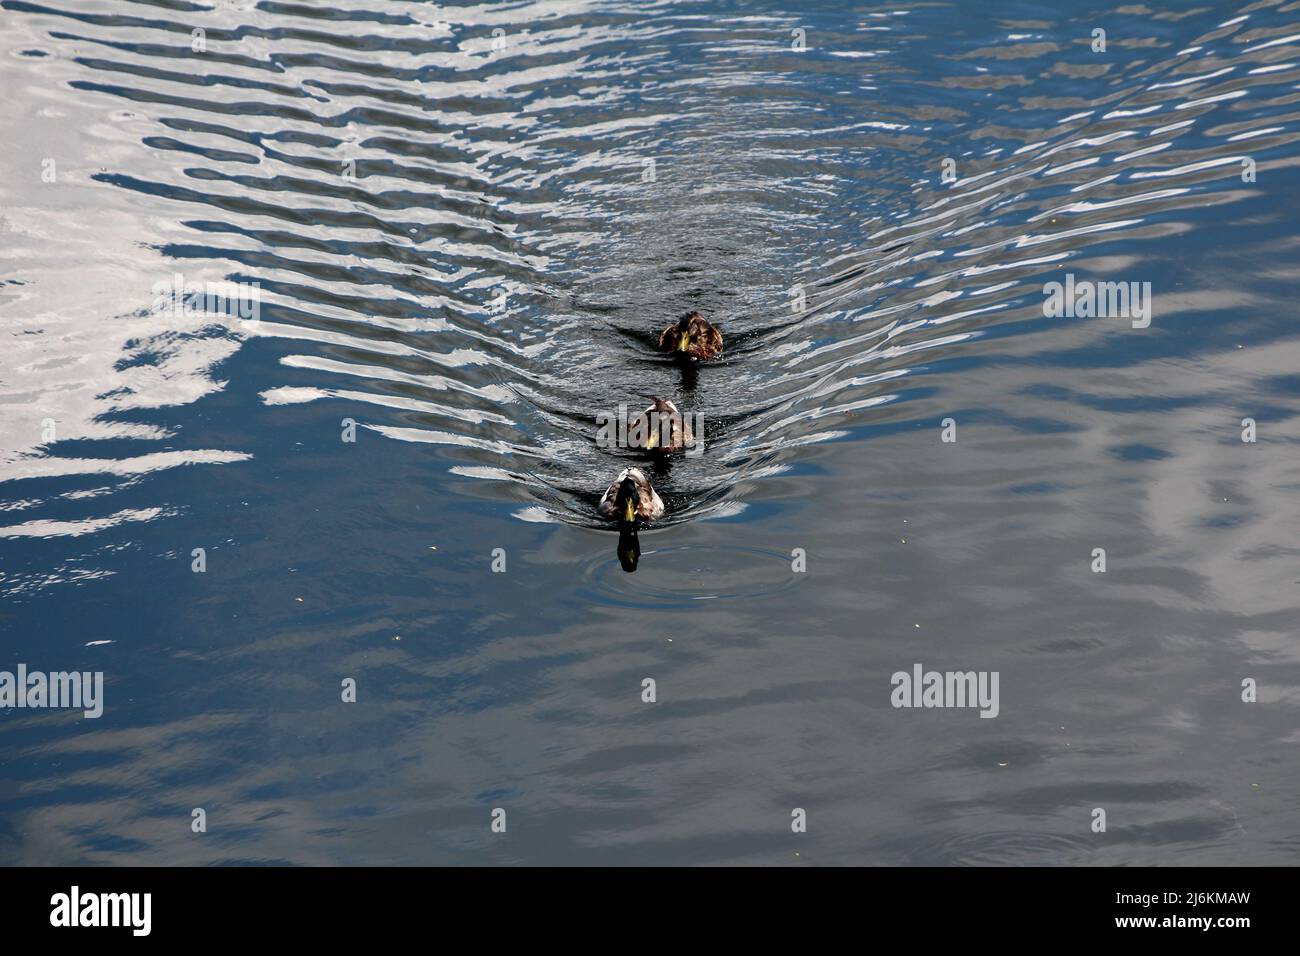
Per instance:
x=652, y=439
x=684, y=342
x=629, y=512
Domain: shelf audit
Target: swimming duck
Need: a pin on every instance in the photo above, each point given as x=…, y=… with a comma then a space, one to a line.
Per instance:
x=691, y=336
x=660, y=428
x=629, y=498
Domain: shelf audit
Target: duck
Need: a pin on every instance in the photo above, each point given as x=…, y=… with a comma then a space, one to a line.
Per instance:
x=631, y=498
x=660, y=428
x=691, y=336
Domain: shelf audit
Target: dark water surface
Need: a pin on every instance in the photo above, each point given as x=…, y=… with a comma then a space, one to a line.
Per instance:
x=468, y=252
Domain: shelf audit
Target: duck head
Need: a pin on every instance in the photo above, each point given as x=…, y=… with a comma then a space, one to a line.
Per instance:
x=683, y=331
x=626, y=504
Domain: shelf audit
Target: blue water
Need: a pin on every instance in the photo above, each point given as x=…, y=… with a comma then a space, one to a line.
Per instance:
x=467, y=252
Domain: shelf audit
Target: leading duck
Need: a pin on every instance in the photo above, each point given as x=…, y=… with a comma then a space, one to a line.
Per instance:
x=631, y=498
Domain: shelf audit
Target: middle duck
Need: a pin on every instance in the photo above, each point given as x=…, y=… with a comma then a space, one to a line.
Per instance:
x=660, y=428
x=691, y=337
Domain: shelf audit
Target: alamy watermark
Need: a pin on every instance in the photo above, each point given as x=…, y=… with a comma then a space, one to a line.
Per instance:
x=922, y=688
x=237, y=300
x=1085, y=299
x=75, y=908
x=652, y=430
x=82, y=690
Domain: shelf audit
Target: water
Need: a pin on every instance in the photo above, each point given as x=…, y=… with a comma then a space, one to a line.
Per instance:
x=468, y=252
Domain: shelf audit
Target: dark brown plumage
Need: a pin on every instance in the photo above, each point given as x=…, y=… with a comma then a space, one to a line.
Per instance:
x=691, y=336
x=660, y=428
x=630, y=497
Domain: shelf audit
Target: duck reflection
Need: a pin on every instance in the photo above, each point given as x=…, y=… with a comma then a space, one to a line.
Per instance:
x=629, y=549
